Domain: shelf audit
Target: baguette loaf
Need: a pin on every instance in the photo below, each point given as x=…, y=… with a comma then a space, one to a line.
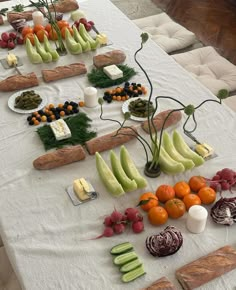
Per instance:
x=158, y=120
x=161, y=284
x=27, y=15
x=109, y=141
x=62, y=72
x=64, y=6
x=59, y=157
x=108, y=58
x=207, y=268
x=19, y=82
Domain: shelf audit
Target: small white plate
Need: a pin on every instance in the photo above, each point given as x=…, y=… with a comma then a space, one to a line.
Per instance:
x=11, y=102
x=125, y=108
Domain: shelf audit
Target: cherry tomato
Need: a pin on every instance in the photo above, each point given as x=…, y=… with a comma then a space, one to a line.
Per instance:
x=38, y=27
x=53, y=34
x=30, y=36
x=40, y=34
x=48, y=27
x=63, y=23
x=26, y=30
x=63, y=31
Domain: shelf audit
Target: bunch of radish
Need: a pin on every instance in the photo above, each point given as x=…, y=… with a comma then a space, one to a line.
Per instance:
x=117, y=222
x=9, y=40
x=224, y=179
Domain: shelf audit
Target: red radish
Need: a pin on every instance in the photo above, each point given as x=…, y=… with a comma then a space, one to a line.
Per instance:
x=88, y=27
x=108, y=232
x=83, y=21
x=119, y=228
x=11, y=44
x=107, y=221
x=20, y=40
x=91, y=23
x=133, y=214
x=5, y=36
x=12, y=35
x=3, y=44
x=137, y=227
x=116, y=216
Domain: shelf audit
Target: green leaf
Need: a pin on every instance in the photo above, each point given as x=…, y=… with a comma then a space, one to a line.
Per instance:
x=144, y=201
x=18, y=8
x=127, y=115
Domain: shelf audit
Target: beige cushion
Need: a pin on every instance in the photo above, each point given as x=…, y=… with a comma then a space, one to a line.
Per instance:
x=8, y=279
x=211, y=69
x=169, y=35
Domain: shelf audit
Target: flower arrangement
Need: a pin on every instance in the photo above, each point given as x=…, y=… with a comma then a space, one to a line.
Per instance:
x=152, y=149
x=52, y=19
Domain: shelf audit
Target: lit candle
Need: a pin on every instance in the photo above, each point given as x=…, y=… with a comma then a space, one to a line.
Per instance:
x=37, y=18
x=90, y=97
x=196, y=220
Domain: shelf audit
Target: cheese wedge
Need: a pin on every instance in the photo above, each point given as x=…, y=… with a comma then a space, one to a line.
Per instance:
x=204, y=150
x=79, y=190
x=11, y=59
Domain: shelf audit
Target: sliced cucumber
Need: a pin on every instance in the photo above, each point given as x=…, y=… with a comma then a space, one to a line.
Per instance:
x=168, y=164
x=134, y=274
x=170, y=149
x=108, y=178
x=123, y=179
x=130, y=266
x=182, y=147
x=121, y=248
x=130, y=168
x=125, y=258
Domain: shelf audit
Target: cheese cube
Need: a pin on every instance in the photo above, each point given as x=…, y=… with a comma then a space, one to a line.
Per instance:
x=79, y=190
x=113, y=72
x=204, y=150
x=60, y=129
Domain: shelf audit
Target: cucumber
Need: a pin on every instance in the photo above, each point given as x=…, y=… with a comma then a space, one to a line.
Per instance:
x=134, y=274
x=170, y=149
x=123, y=179
x=125, y=258
x=130, y=266
x=168, y=164
x=130, y=168
x=121, y=248
x=107, y=177
x=182, y=147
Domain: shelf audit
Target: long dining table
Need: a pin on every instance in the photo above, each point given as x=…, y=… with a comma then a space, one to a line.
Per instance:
x=47, y=238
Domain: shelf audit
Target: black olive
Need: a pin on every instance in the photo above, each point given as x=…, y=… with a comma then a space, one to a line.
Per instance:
x=58, y=109
x=135, y=95
x=75, y=111
x=31, y=122
x=127, y=84
x=49, y=119
x=109, y=101
x=53, y=110
x=57, y=116
x=106, y=94
x=29, y=118
x=139, y=85
x=105, y=98
x=39, y=119
x=140, y=92
x=66, y=103
x=67, y=112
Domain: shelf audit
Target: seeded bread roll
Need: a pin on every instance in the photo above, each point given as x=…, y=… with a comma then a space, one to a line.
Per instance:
x=59, y=157
x=62, y=72
x=19, y=82
x=207, y=268
x=108, y=58
x=161, y=284
x=158, y=120
x=109, y=141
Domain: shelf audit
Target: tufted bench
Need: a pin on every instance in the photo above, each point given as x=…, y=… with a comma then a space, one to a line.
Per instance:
x=212, y=70
x=8, y=279
x=169, y=35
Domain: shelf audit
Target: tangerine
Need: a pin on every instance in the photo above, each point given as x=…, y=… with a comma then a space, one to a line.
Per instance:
x=37, y=28
x=165, y=192
x=26, y=30
x=191, y=199
x=207, y=195
x=157, y=215
x=63, y=31
x=196, y=183
x=181, y=189
x=175, y=208
x=149, y=199
x=40, y=34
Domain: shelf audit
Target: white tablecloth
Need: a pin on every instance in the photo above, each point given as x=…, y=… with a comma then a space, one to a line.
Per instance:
x=41, y=229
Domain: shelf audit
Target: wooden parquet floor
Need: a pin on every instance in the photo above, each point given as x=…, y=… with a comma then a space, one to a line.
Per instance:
x=213, y=21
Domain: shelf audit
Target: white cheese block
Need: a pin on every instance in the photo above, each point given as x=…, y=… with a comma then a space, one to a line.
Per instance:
x=60, y=129
x=113, y=72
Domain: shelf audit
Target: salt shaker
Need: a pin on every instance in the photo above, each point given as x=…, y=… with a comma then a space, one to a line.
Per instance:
x=196, y=219
x=90, y=97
